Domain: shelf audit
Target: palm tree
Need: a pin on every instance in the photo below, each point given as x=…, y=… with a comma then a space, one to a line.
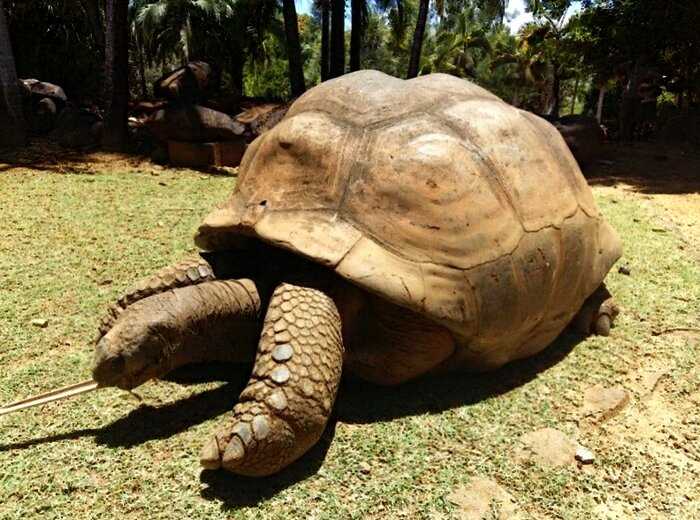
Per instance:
x=137, y=40
x=491, y=9
x=116, y=81
x=417, y=44
x=396, y=11
x=337, y=58
x=92, y=11
x=229, y=32
x=455, y=45
x=296, y=65
x=12, y=129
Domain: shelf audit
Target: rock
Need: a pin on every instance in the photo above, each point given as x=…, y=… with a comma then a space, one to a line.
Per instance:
x=77, y=128
x=484, y=498
x=229, y=103
x=201, y=155
x=624, y=270
x=583, y=136
x=40, y=322
x=195, y=81
x=159, y=155
x=43, y=116
x=547, y=447
x=584, y=455
x=603, y=402
x=261, y=118
x=42, y=89
x=682, y=129
x=193, y=124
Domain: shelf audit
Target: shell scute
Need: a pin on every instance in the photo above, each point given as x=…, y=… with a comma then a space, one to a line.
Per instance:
x=435, y=195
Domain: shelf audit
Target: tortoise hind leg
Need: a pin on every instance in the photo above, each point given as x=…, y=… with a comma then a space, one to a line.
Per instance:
x=284, y=409
x=395, y=345
x=597, y=314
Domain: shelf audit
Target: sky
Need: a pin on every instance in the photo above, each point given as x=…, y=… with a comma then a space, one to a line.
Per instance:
x=516, y=16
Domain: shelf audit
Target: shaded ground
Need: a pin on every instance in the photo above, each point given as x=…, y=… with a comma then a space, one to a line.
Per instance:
x=72, y=243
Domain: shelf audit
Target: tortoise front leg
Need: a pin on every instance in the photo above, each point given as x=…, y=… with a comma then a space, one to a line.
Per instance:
x=191, y=271
x=285, y=407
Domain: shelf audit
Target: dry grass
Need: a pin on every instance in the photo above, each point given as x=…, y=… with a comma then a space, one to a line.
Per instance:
x=72, y=242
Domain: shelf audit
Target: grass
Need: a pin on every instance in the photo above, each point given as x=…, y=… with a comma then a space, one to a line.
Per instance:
x=72, y=242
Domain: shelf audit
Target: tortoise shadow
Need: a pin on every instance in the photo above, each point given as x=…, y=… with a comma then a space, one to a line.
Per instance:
x=235, y=491
x=362, y=402
x=358, y=402
x=148, y=422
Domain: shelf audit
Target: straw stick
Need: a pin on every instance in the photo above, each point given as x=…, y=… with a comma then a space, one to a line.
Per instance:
x=53, y=395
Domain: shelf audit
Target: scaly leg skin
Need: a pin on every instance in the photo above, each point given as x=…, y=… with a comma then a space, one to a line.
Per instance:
x=597, y=314
x=285, y=407
x=191, y=271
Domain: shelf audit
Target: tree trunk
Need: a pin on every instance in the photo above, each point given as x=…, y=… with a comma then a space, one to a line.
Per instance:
x=629, y=106
x=12, y=127
x=325, y=40
x=296, y=65
x=356, y=34
x=573, y=97
x=337, y=67
x=599, y=108
x=236, y=70
x=115, y=133
x=554, y=96
x=417, y=45
x=400, y=11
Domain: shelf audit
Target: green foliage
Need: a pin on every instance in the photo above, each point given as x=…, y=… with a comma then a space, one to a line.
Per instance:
x=608, y=44
x=53, y=41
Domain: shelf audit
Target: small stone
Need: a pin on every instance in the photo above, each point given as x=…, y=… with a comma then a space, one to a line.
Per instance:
x=604, y=402
x=280, y=375
x=624, y=270
x=584, y=455
x=484, y=498
x=261, y=427
x=365, y=468
x=282, y=352
x=40, y=322
x=547, y=447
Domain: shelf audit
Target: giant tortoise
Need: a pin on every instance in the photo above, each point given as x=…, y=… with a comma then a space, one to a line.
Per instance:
x=384, y=229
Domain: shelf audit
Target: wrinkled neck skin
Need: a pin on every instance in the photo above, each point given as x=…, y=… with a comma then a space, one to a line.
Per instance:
x=268, y=267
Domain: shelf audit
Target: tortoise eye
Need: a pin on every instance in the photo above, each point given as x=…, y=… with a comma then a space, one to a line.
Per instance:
x=285, y=143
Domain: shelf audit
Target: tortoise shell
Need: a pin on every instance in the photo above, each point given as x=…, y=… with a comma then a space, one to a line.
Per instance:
x=434, y=194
